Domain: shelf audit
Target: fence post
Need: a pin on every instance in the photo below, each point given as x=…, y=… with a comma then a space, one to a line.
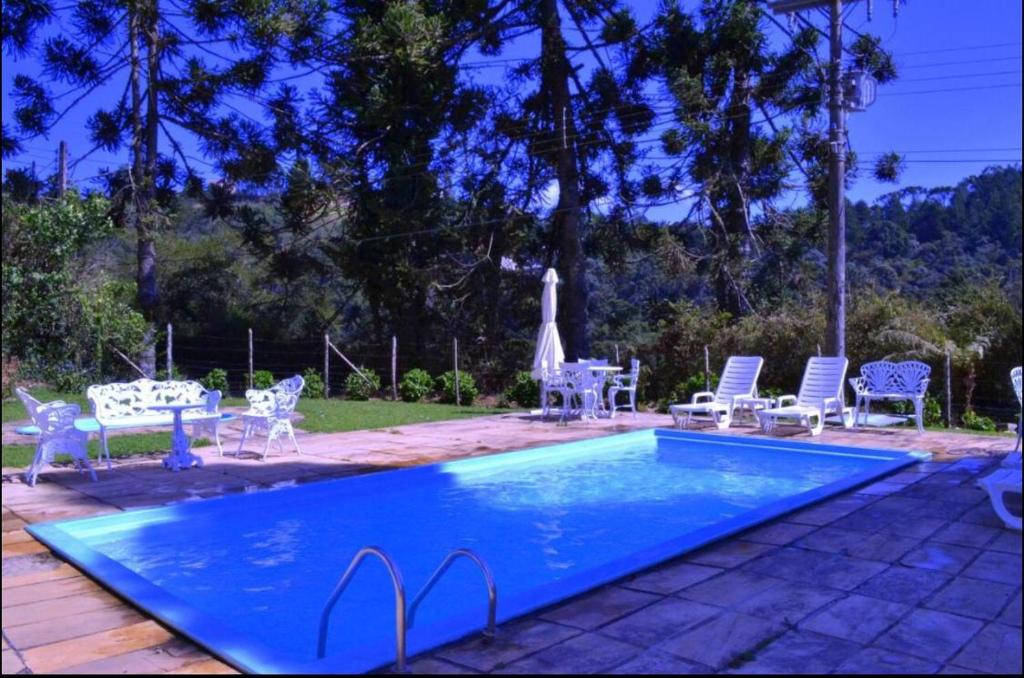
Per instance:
x=819, y=350
x=617, y=355
x=394, y=368
x=707, y=369
x=327, y=365
x=170, y=345
x=949, y=389
x=458, y=396
x=250, y=357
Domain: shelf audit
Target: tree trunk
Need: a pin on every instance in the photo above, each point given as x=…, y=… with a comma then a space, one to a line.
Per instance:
x=572, y=264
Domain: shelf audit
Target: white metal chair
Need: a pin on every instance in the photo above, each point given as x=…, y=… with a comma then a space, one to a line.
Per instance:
x=578, y=388
x=210, y=426
x=270, y=412
x=821, y=395
x=57, y=434
x=885, y=380
x=625, y=383
x=738, y=382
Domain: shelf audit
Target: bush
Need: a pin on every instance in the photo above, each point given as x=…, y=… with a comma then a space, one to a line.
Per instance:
x=356, y=387
x=314, y=386
x=216, y=380
x=524, y=391
x=416, y=384
x=467, y=387
x=263, y=379
x=69, y=379
x=976, y=422
x=176, y=374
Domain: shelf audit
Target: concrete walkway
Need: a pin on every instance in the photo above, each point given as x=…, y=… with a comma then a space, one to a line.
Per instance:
x=913, y=573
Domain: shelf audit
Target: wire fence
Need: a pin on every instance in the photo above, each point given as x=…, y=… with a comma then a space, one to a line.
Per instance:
x=493, y=369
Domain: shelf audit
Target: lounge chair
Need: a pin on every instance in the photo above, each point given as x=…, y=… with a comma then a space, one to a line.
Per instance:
x=821, y=395
x=998, y=484
x=1015, y=378
x=738, y=382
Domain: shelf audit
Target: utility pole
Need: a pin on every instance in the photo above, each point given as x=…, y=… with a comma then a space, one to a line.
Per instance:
x=862, y=95
x=62, y=169
x=835, y=333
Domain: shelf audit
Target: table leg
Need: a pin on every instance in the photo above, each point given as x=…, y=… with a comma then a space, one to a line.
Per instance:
x=181, y=454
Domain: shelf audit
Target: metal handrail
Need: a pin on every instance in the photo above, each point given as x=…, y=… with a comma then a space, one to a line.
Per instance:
x=400, y=616
x=492, y=590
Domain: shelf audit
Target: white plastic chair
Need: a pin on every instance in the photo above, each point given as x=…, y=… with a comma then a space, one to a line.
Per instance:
x=625, y=383
x=738, y=381
x=821, y=395
x=57, y=434
x=1015, y=378
x=998, y=484
x=270, y=412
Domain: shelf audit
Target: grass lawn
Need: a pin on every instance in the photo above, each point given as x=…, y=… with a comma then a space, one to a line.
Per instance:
x=321, y=416
x=120, y=446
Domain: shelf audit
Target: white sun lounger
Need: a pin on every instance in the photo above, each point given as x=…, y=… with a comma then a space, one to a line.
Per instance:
x=998, y=484
x=739, y=381
x=821, y=395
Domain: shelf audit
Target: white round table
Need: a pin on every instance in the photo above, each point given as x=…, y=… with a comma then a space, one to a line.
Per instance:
x=181, y=453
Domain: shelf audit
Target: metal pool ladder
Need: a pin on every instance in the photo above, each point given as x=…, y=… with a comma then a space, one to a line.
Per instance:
x=403, y=619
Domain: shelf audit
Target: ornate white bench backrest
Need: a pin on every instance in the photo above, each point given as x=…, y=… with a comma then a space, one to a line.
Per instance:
x=882, y=377
x=131, y=399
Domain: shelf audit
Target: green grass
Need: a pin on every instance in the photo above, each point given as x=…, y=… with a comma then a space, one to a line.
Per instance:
x=120, y=446
x=13, y=410
x=332, y=416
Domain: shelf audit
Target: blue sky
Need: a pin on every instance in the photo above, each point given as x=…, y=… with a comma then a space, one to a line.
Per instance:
x=955, y=108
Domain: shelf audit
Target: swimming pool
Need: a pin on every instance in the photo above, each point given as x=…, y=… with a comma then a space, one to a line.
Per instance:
x=247, y=575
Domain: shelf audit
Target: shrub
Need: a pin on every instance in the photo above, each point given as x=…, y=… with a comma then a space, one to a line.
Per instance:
x=467, y=387
x=263, y=379
x=524, y=391
x=216, y=380
x=10, y=376
x=976, y=422
x=416, y=384
x=356, y=387
x=176, y=374
x=314, y=384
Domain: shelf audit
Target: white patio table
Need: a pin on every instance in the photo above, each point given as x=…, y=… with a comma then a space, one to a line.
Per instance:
x=181, y=454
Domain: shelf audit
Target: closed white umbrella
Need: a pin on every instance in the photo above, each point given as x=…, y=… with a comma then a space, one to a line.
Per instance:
x=549, y=345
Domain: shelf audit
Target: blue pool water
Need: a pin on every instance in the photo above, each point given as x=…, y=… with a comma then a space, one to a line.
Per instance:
x=247, y=575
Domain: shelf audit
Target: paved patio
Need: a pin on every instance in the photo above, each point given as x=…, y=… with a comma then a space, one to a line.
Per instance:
x=913, y=573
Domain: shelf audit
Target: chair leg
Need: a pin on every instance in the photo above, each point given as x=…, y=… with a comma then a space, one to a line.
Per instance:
x=246, y=431
x=35, y=467
x=632, y=401
x=919, y=414
x=105, y=446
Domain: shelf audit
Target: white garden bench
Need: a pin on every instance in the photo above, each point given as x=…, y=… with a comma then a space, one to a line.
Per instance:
x=126, y=405
x=885, y=380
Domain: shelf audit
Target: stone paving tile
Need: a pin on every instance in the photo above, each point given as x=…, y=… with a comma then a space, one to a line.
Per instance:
x=881, y=547
x=217, y=667
x=942, y=557
x=59, y=571
x=102, y=645
x=730, y=588
x=731, y=553
x=921, y=528
x=1012, y=614
x=175, y=656
x=995, y=566
x=656, y=662
x=778, y=534
x=982, y=515
x=904, y=585
x=1008, y=541
x=599, y=607
x=656, y=622
x=958, y=671
x=972, y=598
x=27, y=636
x=587, y=653
x=965, y=534
x=800, y=652
x=11, y=663
x=856, y=618
x=667, y=579
x=874, y=660
x=717, y=642
x=787, y=603
x=44, y=610
x=47, y=590
x=827, y=512
x=930, y=634
x=829, y=570
x=514, y=641
x=996, y=649
x=432, y=667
